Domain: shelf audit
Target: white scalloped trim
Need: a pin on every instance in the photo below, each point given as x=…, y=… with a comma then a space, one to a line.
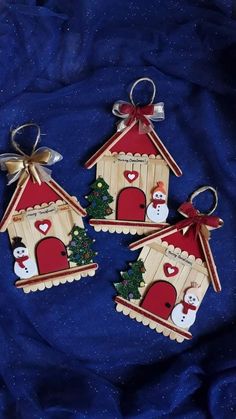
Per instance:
x=44, y=205
x=150, y=323
x=122, y=153
x=55, y=282
x=184, y=254
x=123, y=229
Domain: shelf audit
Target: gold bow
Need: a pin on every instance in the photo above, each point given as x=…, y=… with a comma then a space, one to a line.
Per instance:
x=22, y=166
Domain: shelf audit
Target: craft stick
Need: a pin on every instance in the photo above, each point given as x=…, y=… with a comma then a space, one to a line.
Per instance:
x=12, y=205
x=109, y=144
x=72, y=202
x=210, y=263
x=166, y=231
x=170, y=326
x=164, y=152
x=51, y=276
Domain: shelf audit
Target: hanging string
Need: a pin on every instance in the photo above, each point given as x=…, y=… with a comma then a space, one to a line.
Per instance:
x=22, y=166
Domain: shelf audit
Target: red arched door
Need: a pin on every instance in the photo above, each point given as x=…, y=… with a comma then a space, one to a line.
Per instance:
x=160, y=299
x=51, y=255
x=131, y=205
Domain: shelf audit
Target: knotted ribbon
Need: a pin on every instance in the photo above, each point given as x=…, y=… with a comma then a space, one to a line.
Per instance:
x=187, y=307
x=144, y=114
x=156, y=202
x=196, y=220
x=22, y=166
x=21, y=261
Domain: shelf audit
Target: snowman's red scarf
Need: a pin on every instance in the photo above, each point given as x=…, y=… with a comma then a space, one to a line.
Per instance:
x=21, y=261
x=156, y=202
x=187, y=307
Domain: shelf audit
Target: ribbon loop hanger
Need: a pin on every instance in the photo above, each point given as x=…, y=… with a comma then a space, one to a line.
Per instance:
x=130, y=112
x=200, y=222
x=21, y=166
x=17, y=130
x=204, y=189
x=142, y=79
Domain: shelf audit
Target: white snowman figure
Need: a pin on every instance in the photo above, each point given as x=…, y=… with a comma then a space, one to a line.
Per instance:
x=24, y=267
x=157, y=210
x=184, y=313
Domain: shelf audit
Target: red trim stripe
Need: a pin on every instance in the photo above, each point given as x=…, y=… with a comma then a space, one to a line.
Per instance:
x=210, y=263
x=164, y=232
x=10, y=208
x=111, y=142
x=54, y=275
x=12, y=204
x=150, y=316
x=126, y=223
x=75, y=205
x=164, y=153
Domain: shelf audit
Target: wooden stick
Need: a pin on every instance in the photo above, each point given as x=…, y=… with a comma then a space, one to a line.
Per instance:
x=165, y=153
x=166, y=231
x=210, y=263
x=110, y=143
x=145, y=313
x=105, y=222
x=12, y=205
x=54, y=275
x=72, y=202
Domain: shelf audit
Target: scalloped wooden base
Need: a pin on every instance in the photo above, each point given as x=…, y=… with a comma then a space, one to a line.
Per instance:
x=40, y=282
x=149, y=319
x=126, y=227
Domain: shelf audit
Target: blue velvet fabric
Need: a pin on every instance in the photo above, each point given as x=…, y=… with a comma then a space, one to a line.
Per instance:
x=65, y=352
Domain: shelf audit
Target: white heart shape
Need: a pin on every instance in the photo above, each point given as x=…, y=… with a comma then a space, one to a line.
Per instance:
x=131, y=176
x=43, y=227
x=170, y=270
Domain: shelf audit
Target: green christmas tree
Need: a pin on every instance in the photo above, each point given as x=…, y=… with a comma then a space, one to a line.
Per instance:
x=99, y=200
x=79, y=247
x=128, y=288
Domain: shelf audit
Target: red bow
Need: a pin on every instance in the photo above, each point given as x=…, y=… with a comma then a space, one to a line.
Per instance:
x=196, y=220
x=144, y=114
x=21, y=261
x=187, y=307
x=156, y=202
x=137, y=113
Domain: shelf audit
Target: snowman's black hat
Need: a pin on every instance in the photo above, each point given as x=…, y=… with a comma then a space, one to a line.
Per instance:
x=17, y=243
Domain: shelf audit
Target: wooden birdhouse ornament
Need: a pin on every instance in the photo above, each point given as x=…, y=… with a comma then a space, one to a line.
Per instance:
x=165, y=287
x=131, y=189
x=49, y=243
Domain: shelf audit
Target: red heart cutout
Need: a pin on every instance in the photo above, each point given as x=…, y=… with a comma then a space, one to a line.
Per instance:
x=170, y=270
x=131, y=175
x=43, y=226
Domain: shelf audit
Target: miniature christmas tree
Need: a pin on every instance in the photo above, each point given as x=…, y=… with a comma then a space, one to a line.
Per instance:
x=132, y=281
x=79, y=247
x=99, y=200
